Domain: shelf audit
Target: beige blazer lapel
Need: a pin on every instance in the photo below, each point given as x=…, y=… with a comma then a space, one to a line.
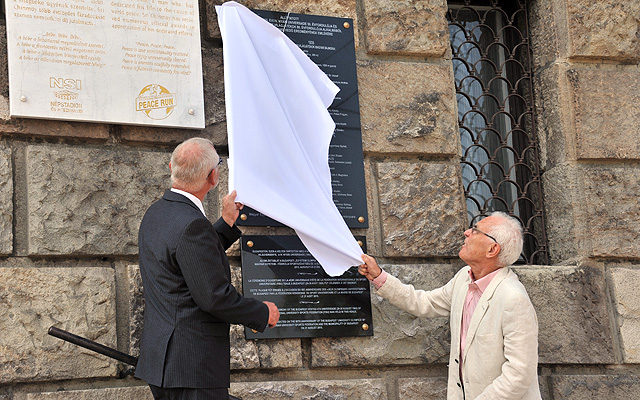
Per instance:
x=482, y=307
x=457, y=305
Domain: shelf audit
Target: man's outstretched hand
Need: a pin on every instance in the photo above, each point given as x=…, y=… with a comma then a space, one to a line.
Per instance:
x=370, y=268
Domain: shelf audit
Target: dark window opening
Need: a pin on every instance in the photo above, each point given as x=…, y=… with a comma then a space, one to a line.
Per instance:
x=496, y=116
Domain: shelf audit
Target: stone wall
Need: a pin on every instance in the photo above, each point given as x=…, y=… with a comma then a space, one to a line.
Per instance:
x=73, y=194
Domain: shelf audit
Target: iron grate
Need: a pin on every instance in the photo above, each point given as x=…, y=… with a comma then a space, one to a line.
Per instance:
x=496, y=116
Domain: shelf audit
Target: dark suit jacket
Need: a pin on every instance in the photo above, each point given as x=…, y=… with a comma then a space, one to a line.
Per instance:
x=189, y=299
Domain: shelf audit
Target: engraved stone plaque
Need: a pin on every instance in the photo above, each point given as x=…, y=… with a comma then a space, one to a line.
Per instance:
x=121, y=61
x=311, y=303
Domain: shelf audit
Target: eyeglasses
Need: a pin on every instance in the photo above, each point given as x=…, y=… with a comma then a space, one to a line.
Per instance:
x=474, y=230
x=217, y=165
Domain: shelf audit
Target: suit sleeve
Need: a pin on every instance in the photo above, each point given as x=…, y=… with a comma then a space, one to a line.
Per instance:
x=227, y=234
x=421, y=303
x=520, y=331
x=204, y=268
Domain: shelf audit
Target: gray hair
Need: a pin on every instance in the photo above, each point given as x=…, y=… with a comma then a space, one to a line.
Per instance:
x=191, y=163
x=508, y=233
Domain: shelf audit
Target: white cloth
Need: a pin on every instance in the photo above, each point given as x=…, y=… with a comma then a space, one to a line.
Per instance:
x=279, y=134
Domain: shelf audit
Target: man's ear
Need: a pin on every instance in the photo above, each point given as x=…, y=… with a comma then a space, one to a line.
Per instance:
x=494, y=250
x=169, y=165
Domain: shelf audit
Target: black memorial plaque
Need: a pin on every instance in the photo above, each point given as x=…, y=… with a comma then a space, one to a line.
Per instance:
x=328, y=41
x=311, y=303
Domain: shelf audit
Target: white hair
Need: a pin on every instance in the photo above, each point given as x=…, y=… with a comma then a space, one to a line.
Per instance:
x=508, y=234
x=191, y=163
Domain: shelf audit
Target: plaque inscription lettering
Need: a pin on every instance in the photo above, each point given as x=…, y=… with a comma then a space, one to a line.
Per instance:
x=311, y=303
x=112, y=61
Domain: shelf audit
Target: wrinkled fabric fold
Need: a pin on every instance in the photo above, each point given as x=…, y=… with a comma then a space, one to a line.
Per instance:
x=279, y=134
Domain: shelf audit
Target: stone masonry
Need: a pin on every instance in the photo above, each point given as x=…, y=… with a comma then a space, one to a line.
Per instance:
x=73, y=195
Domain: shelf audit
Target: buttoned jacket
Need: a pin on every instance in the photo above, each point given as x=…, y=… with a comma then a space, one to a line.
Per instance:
x=501, y=350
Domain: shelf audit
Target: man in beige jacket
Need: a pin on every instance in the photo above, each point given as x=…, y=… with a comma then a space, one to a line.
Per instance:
x=494, y=329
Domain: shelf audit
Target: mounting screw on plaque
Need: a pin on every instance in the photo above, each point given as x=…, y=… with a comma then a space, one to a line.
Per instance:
x=250, y=243
x=23, y=98
x=365, y=327
x=361, y=219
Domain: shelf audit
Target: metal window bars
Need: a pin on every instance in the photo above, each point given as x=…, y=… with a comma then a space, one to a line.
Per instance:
x=496, y=116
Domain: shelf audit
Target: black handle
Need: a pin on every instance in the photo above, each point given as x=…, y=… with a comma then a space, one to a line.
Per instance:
x=91, y=345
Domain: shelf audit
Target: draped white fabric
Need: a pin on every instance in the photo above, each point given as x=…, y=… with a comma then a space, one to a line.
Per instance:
x=279, y=133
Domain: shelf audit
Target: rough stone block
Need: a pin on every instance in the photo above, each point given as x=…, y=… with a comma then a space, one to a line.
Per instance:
x=554, y=118
x=399, y=337
x=214, y=101
x=581, y=219
x=422, y=208
x=90, y=200
x=405, y=27
x=6, y=199
x=423, y=388
x=329, y=8
x=611, y=202
x=135, y=295
x=604, y=29
x=352, y=389
x=625, y=280
x=76, y=297
x=281, y=353
x=582, y=29
x=266, y=354
x=401, y=113
x=120, y=393
x=573, y=320
x=374, y=238
x=547, y=28
x=606, y=111
x=563, y=211
x=586, y=387
x=167, y=136
x=213, y=29
x=244, y=353
x=587, y=113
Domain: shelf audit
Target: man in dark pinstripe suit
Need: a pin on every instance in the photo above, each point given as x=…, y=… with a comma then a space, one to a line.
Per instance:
x=189, y=299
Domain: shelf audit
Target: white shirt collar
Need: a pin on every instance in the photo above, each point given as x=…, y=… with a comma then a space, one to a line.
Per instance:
x=191, y=197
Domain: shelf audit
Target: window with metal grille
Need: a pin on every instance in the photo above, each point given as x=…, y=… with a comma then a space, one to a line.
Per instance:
x=493, y=78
